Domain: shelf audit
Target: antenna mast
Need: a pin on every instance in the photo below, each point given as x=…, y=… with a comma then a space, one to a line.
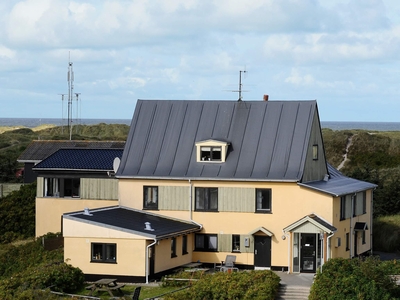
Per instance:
x=70, y=78
x=240, y=84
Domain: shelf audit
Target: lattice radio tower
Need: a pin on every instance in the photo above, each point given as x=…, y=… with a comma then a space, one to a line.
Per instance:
x=70, y=79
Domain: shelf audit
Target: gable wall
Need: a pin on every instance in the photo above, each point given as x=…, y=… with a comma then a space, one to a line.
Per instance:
x=315, y=169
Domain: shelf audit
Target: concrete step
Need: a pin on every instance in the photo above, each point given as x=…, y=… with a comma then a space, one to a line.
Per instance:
x=291, y=292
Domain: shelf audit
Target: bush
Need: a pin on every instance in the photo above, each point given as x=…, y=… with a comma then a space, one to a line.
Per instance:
x=358, y=278
x=237, y=285
x=56, y=275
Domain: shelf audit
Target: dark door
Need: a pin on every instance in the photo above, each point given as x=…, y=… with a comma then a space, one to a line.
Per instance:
x=308, y=252
x=262, y=251
x=152, y=255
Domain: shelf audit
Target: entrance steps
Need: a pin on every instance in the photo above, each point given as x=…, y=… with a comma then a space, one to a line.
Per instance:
x=292, y=292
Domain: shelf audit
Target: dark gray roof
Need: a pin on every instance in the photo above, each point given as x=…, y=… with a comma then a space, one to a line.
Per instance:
x=268, y=139
x=39, y=150
x=133, y=221
x=80, y=159
x=338, y=184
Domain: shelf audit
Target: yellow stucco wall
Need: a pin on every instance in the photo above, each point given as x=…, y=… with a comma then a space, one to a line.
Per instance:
x=50, y=210
x=290, y=203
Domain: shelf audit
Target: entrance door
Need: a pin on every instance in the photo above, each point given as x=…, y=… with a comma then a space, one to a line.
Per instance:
x=262, y=251
x=308, y=252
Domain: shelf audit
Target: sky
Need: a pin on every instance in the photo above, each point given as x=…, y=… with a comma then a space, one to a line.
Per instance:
x=344, y=54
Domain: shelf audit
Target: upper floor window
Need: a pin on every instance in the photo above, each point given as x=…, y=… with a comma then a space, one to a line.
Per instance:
x=263, y=200
x=62, y=187
x=102, y=252
x=206, y=199
x=345, y=207
x=360, y=204
x=211, y=151
x=150, y=197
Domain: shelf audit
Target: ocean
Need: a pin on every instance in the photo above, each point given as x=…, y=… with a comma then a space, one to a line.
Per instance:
x=34, y=122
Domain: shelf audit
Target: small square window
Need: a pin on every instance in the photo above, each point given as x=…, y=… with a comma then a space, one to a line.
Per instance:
x=150, y=197
x=263, y=200
x=106, y=253
x=235, y=243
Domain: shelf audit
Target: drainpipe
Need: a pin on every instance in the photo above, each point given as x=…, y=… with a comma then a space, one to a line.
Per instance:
x=191, y=206
x=287, y=235
x=147, y=259
x=328, y=245
x=371, y=219
x=351, y=237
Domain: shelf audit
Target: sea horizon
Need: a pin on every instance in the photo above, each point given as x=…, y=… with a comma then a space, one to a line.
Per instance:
x=334, y=125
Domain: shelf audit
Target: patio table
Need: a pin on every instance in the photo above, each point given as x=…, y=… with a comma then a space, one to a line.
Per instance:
x=105, y=284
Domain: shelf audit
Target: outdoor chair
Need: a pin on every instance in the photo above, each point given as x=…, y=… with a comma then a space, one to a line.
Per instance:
x=228, y=263
x=136, y=293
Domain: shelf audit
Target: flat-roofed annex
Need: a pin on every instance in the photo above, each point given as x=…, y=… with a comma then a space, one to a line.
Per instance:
x=211, y=151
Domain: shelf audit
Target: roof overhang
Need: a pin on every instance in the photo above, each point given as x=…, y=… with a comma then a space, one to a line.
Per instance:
x=261, y=229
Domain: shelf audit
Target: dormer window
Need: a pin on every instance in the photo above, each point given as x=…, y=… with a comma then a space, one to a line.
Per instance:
x=211, y=151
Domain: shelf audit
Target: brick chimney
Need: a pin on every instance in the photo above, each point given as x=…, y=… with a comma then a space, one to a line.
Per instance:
x=265, y=98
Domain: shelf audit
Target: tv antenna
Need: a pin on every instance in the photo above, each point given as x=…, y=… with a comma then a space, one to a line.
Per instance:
x=240, y=91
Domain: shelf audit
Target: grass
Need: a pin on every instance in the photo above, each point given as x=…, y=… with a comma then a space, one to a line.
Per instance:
x=387, y=233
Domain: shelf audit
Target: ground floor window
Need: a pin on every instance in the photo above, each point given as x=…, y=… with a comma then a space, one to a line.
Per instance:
x=103, y=252
x=173, y=247
x=206, y=242
x=184, y=245
x=235, y=243
x=62, y=187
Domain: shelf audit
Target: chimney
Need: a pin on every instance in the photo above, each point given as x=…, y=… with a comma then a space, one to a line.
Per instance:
x=265, y=98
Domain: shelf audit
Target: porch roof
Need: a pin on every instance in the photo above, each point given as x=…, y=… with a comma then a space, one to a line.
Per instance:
x=143, y=223
x=315, y=220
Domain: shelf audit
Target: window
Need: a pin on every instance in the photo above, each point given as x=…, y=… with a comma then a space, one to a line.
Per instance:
x=173, y=247
x=347, y=241
x=235, y=243
x=315, y=152
x=206, y=199
x=150, y=197
x=184, y=245
x=263, y=200
x=363, y=237
x=62, y=187
x=206, y=242
x=105, y=253
x=345, y=207
x=360, y=204
x=210, y=153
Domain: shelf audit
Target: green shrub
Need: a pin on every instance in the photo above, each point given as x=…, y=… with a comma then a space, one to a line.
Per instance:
x=237, y=285
x=365, y=279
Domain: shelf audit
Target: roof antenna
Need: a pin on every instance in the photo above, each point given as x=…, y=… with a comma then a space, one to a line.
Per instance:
x=240, y=84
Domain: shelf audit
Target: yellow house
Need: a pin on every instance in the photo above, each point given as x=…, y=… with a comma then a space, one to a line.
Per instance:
x=73, y=178
x=200, y=180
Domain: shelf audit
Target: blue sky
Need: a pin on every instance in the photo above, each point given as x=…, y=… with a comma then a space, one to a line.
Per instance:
x=344, y=54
